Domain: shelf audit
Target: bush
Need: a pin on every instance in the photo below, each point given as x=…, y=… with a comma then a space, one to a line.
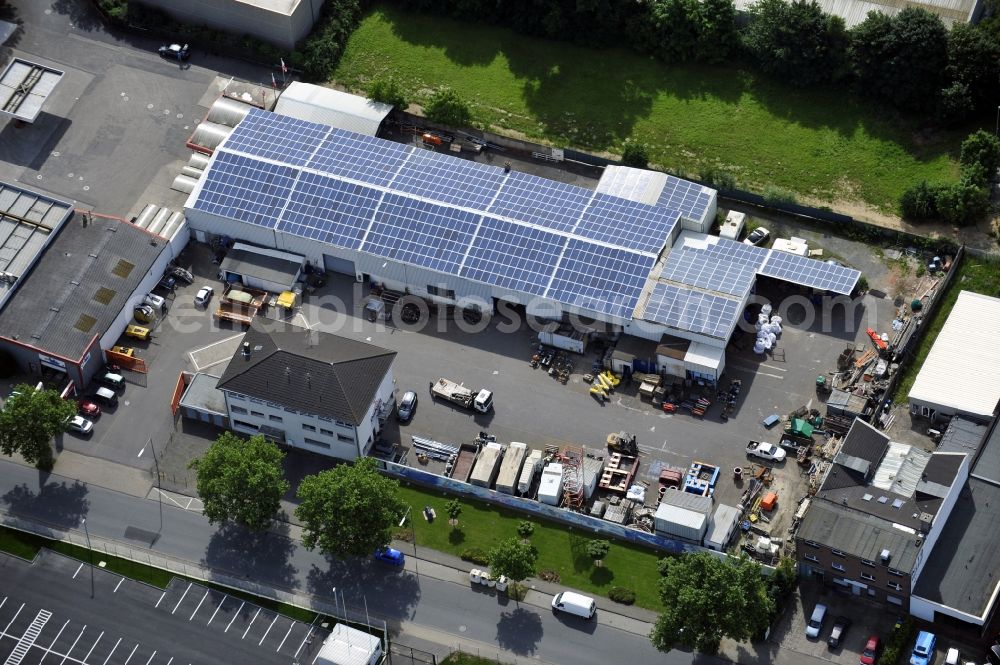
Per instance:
x=954, y=104
x=448, y=108
x=636, y=154
x=721, y=180
x=525, y=529
x=774, y=195
x=981, y=149
x=388, y=91
x=620, y=594
x=475, y=555
x=963, y=204
x=919, y=202
x=549, y=576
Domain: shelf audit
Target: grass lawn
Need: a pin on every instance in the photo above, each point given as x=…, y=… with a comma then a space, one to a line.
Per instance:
x=822, y=143
x=559, y=547
x=977, y=275
x=457, y=658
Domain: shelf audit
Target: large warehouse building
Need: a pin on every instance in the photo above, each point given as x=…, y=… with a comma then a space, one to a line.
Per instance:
x=632, y=254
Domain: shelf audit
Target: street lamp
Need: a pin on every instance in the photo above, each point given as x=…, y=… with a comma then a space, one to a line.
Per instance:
x=414, y=530
x=83, y=521
x=159, y=493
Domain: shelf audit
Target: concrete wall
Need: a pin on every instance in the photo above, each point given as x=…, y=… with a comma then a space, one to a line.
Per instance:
x=877, y=589
x=368, y=430
x=257, y=235
x=282, y=28
x=941, y=518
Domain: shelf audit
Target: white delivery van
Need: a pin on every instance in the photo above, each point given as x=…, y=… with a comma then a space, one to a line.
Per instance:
x=574, y=603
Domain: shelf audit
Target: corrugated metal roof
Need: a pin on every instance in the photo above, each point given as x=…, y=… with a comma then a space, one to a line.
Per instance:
x=314, y=103
x=855, y=11
x=24, y=87
x=962, y=370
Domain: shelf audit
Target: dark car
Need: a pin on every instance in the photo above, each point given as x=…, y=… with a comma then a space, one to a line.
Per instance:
x=169, y=283
x=390, y=555
x=407, y=405
x=175, y=52
x=181, y=275
x=87, y=408
x=837, y=633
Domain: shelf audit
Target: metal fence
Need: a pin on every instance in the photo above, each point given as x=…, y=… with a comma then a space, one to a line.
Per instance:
x=404, y=655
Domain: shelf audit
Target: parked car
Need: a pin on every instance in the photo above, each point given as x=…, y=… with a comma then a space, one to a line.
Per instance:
x=407, y=405
x=81, y=425
x=158, y=303
x=994, y=654
x=815, y=625
x=574, y=603
x=181, y=275
x=757, y=237
x=203, y=296
x=871, y=651
x=124, y=351
x=923, y=648
x=838, y=632
x=113, y=381
x=137, y=332
x=175, y=52
x=106, y=396
x=766, y=451
x=390, y=555
x=168, y=283
x=87, y=408
x=144, y=314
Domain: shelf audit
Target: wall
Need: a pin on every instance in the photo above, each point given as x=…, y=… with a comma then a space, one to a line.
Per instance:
x=853, y=568
x=368, y=429
x=925, y=609
x=941, y=518
x=150, y=280
x=203, y=221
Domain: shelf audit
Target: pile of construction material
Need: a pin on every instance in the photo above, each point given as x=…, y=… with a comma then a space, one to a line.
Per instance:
x=768, y=330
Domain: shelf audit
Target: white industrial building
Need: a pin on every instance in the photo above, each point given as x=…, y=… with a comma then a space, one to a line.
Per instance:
x=854, y=12
x=633, y=255
x=961, y=375
x=350, y=646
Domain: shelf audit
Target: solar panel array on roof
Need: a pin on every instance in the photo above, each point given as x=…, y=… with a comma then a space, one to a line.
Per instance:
x=811, y=273
x=513, y=257
x=691, y=199
x=280, y=138
x=329, y=210
x=443, y=178
x=246, y=189
x=688, y=309
x=599, y=278
x=627, y=223
x=539, y=201
x=351, y=155
x=714, y=264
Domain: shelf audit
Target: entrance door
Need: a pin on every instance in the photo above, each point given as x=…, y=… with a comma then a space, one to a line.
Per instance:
x=336, y=264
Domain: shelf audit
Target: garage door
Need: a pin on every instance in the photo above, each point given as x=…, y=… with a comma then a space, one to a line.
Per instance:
x=336, y=264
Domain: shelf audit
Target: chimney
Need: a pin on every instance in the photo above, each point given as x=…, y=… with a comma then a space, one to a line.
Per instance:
x=288, y=374
x=246, y=349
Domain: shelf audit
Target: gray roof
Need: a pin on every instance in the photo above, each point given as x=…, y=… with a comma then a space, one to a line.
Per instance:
x=79, y=286
x=24, y=87
x=987, y=466
x=688, y=501
x=268, y=268
x=863, y=448
x=962, y=436
x=963, y=570
x=202, y=394
x=856, y=533
x=308, y=371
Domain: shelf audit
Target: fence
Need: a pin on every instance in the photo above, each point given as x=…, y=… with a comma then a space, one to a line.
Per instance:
x=404, y=655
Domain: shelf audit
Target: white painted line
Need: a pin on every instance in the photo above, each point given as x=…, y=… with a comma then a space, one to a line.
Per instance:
x=171, y=660
x=151, y=658
x=77, y=571
x=268, y=630
x=250, y=624
x=73, y=646
x=236, y=614
x=183, y=596
x=199, y=604
x=290, y=626
x=92, y=647
x=131, y=654
x=303, y=643
x=113, y=649
x=216, y=611
x=14, y=617
x=2, y=602
x=118, y=585
x=54, y=641
x=160, y=600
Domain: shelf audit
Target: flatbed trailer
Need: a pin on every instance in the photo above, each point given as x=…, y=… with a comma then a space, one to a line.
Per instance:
x=464, y=462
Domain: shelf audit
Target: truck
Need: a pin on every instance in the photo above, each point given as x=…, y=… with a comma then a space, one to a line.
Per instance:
x=240, y=304
x=510, y=468
x=766, y=451
x=480, y=400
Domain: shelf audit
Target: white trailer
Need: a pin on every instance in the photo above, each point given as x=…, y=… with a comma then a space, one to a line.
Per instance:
x=551, y=489
x=532, y=465
x=565, y=337
x=733, y=226
x=510, y=467
x=481, y=400
x=487, y=466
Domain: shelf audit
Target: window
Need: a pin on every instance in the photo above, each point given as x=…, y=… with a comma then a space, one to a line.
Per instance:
x=238, y=409
x=245, y=425
x=314, y=442
x=867, y=562
x=866, y=576
x=440, y=291
x=893, y=571
x=343, y=424
x=837, y=552
x=256, y=413
x=811, y=557
x=308, y=428
x=893, y=600
x=274, y=419
x=812, y=543
x=325, y=432
x=871, y=592
x=345, y=439
x=895, y=585
x=837, y=566
x=236, y=397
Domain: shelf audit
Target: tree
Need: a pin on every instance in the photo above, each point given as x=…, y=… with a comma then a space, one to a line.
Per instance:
x=454, y=509
x=707, y=599
x=598, y=550
x=29, y=420
x=447, y=108
x=241, y=480
x=525, y=528
x=796, y=41
x=389, y=92
x=972, y=61
x=514, y=559
x=954, y=104
x=635, y=154
x=983, y=149
x=348, y=510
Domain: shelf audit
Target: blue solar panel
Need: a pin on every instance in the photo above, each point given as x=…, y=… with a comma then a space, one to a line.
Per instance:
x=370, y=160
x=512, y=256
x=539, y=201
x=601, y=279
x=329, y=210
x=449, y=179
x=811, y=273
x=712, y=263
x=695, y=311
x=421, y=233
x=691, y=199
x=246, y=189
x=627, y=223
x=276, y=137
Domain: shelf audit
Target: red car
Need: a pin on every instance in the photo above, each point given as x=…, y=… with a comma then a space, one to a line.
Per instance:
x=88, y=408
x=870, y=653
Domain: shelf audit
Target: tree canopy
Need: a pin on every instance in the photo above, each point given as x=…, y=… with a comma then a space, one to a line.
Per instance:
x=241, y=480
x=447, y=108
x=796, y=41
x=29, y=420
x=349, y=510
x=973, y=57
x=513, y=558
x=707, y=599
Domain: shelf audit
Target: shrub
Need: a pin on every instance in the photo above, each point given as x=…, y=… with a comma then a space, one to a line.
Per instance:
x=549, y=576
x=721, y=180
x=981, y=149
x=388, y=91
x=447, y=108
x=954, y=104
x=963, y=204
x=635, y=153
x=622, y=595
x=525, y=529
x=475, y=555
x=774, y=195
x=919, y=202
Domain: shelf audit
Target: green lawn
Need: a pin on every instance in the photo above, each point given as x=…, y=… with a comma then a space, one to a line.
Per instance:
x=822, y=143
x=457, y=658
x=977, y=275
x=561, y=548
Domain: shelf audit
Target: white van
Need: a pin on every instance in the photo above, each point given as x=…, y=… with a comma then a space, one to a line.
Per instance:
x=574, y=603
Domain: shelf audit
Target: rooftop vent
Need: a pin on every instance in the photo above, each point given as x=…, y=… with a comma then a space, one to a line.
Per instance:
x=885, y=556
x=867, y=497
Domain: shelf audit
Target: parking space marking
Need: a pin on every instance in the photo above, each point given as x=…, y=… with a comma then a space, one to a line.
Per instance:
x=77, y=571
x=54, y=641
x=303, y=643
x=118, y=585
x=195, y=352
x=199, y=605
x=132, y=654
x=2, y=602
x=183, y=596
x=93, y=646
x=250, y=624
x=216, y=611
x=113, y=649
x=13, y=618
x=268, y=630
x=186, y=504
x=160, y=600
x=73, y=646
x=235, y=614
x=151, y=658
x=290, y=626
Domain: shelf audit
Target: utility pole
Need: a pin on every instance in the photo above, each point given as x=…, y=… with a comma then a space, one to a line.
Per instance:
x=159, y=492
x=91, y=551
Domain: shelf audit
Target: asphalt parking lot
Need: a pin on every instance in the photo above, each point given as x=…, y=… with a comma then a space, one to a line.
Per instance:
x=49, y=615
